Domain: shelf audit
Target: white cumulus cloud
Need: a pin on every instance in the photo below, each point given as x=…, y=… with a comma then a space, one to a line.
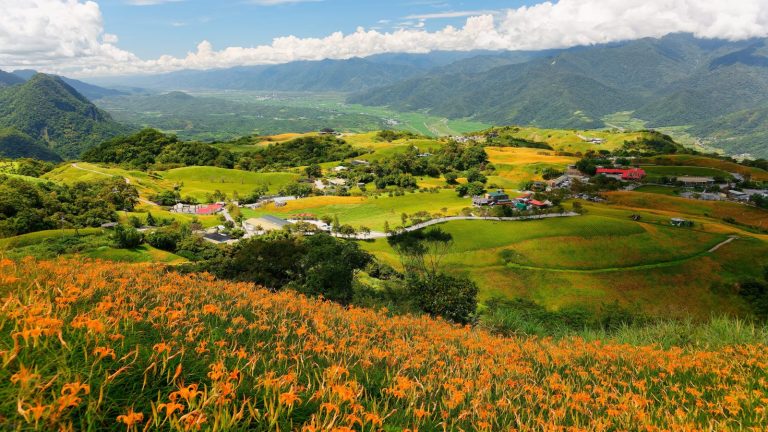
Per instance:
x=68, y=36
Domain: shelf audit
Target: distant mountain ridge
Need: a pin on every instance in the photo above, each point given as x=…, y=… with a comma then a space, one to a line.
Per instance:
x=673, y=81
x=55, y=116
x=90, y=91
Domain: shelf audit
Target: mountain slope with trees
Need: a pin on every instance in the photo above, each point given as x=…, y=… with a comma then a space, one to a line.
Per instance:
x=54, y=114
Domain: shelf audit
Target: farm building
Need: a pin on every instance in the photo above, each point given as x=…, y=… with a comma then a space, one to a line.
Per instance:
x=217, y=238
x=681, y=222
x=625, y=174
x=205, y=209
x=266, y=223
x=498, y=197
x=696, y=181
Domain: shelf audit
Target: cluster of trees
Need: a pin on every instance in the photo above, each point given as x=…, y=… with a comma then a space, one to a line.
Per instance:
x=27, y=167
x=27, y=207
x=392, y=135
x=504, y=137
x=434, y=291
x=298, y=152
x=401, y=169
x=152, y=148
x=318, y=265
x=650, y=144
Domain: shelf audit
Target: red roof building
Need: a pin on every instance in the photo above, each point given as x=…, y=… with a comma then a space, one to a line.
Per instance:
x=209, y=209
x=626, y=174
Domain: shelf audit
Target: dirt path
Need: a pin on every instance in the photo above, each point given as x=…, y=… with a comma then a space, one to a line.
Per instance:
x=126, y=179
x=721, y=244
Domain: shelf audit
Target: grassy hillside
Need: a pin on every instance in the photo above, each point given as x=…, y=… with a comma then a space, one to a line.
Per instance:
x=200, y=181
x=600, y=259
x=701, y=161
x=94, y=346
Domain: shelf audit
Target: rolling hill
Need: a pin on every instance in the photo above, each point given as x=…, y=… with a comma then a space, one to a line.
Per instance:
x=54, y=114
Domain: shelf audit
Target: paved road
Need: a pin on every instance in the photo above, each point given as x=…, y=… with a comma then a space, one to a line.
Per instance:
x=228, y=216
x=127, y=181
x=377, y=235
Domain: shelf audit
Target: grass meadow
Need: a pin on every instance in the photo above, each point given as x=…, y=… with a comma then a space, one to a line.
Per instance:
x=570, y=141
x=655, y=172
x=371, y=211
x=199, y=182
x=669, y=205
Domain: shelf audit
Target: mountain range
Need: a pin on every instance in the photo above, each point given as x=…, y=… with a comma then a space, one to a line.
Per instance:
x=715, y=90
x=673, y=81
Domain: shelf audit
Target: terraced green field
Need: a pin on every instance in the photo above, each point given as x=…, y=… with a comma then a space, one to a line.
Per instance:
x=677, y=171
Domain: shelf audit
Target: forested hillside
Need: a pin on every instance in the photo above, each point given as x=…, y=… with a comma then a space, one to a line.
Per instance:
x=55, y=115
x=15, y=144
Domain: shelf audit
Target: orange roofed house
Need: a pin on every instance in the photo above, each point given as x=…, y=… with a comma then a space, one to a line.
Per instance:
x=626, y=174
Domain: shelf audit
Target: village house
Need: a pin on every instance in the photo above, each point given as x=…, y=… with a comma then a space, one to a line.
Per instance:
x=738, y=195
x=202, y=210
x=218, y=238
x=360, y=162
x=623, y=174
x=265, y=224
x=694, y=181
x=498, y=197
x=340, y=168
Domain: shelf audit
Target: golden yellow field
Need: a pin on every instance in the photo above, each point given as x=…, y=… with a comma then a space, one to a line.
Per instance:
x=517, y=165
x=87, y=345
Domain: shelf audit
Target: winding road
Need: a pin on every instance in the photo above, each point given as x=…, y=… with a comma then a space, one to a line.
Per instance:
x=378, y=235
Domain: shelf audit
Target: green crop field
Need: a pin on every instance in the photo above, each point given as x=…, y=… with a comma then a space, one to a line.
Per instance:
x=662, y=190
x=594, y=260
x=370, y=212
x=678, y=171
x=201, y=181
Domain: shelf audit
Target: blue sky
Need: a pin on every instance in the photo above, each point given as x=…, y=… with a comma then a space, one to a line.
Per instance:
x=84, y=38
x=176, y=27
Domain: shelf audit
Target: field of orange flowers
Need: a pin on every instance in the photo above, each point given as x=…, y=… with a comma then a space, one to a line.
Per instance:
x=89, y=345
